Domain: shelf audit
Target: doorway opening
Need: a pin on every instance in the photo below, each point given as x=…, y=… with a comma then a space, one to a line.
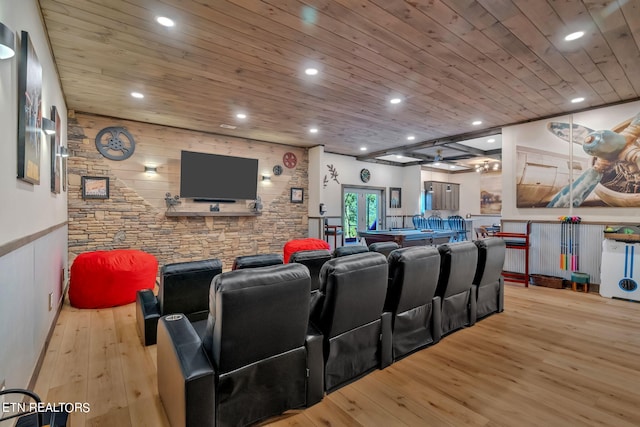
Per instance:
x=363, y=209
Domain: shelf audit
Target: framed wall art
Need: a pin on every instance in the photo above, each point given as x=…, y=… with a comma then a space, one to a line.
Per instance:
x=297, y=195
x=56, y=164
x=64, y=169
x=395, y=197
x=95, y=187
x=29, y=112
x=583, y=160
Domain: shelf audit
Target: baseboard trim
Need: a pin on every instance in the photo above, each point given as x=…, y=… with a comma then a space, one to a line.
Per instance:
x=45, y=347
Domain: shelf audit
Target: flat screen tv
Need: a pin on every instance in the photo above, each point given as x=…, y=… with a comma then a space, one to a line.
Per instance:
x=212, y=177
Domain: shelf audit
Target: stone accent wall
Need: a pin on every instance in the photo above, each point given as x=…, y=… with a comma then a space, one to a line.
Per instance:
x=134, y=215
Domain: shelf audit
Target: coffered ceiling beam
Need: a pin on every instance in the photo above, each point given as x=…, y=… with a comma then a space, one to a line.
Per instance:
x=419, y=156
x=383, y=162
x=496, y=154
x=466, y=149
x=431, y=143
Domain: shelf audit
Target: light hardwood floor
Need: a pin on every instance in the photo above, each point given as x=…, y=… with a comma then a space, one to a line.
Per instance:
x=553, y=358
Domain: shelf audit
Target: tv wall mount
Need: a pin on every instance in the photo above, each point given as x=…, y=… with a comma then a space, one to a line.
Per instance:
x=115, y=143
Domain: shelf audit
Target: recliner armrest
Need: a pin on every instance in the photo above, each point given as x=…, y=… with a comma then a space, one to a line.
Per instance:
x=147, y=315
x=500, y=294
x=315, y=365
x=186, y=379
x=386, y=339
x=436, y=323
x=473, y=305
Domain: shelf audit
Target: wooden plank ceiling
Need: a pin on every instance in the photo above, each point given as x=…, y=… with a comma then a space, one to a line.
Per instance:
x=450, y=61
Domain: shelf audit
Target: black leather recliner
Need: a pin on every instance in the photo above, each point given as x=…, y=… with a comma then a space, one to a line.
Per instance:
x=488, y=279
x=455, y=285
x=256, y=359
x=253, y=261
x=385, y=248
x=314, y=260
x=411, y=298
x=183, y=288
x=357, y=333
x=349, y=250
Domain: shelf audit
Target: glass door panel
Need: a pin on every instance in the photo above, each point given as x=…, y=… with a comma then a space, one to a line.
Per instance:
x=371, y=211
x=350, y=225
x=363, y=210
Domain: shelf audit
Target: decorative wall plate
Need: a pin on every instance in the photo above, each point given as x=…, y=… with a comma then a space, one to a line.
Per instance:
x=115, y=143
x=365, y=175
x=277, y=170
x=290, y=160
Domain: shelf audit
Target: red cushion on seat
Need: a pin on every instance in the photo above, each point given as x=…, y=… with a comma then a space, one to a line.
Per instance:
x=103, y=279
x=307, y=244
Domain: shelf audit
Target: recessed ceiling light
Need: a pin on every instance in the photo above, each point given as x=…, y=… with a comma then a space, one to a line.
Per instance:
x=452, y=166
x=165, y=22
x=476, y=122
x=137, y=95
x=411, y=137
x=574, y=36
x=436, y=164
x=576, y=100
x=311, y=71
x=313, y=130
x=491, y=140
x=363, y=148
x=398, y=156
x=395, y=100
x=241, y=115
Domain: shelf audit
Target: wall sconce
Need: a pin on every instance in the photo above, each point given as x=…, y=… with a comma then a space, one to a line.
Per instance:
x=150, y=170
x=448, y=188
x=7, y=42
x=48, y=126
x=431, y=189
x=64, y=152
x=266, y=178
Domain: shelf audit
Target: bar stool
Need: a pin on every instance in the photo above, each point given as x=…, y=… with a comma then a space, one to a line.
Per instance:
x=582, y=278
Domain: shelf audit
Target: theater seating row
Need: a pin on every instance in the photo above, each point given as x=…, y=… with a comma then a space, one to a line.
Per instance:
x=271, y=343
x=184, y=287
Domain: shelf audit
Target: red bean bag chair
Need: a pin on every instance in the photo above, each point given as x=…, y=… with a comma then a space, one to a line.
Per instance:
x=103, y=279
x=303, y=245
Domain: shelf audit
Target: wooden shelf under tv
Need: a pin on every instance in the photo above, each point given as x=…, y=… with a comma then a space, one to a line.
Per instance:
x=198, y=214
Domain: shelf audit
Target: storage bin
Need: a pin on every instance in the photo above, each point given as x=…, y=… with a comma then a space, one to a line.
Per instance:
x=547, y=281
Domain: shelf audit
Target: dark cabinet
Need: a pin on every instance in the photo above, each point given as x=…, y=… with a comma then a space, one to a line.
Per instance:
x=442, y=196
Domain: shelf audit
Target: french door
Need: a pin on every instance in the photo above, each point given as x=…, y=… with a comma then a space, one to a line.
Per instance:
x=363, y=209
